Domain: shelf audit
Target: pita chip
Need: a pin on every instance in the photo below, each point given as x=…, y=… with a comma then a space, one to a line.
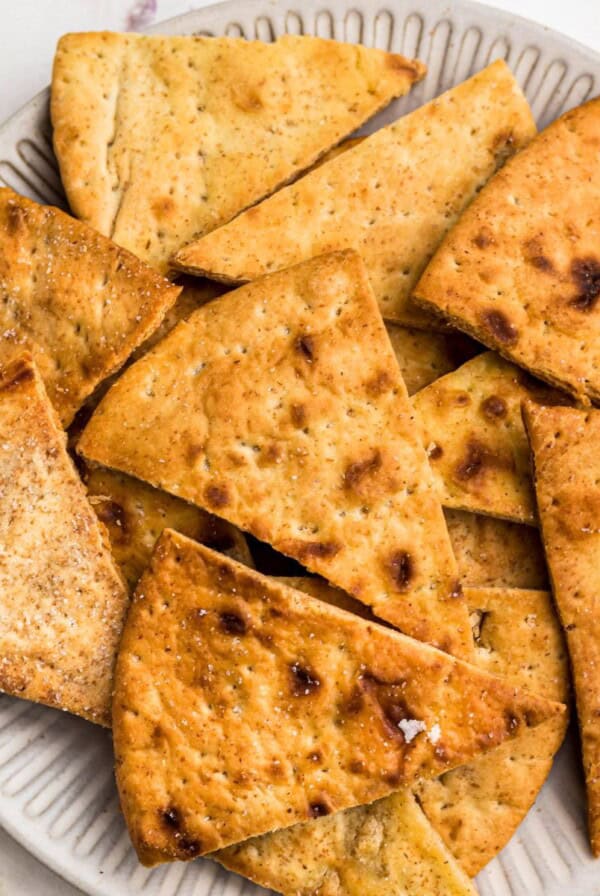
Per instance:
x=564, y=445
x=77, y=302
x=521, y=269
x=475, y=438
x=392, y=198
x=387, y=848
x=162, y=139
x=496, y=553
x=424, y=356
x=281, y=408
x=339, y=711
x=478, y=807
x=135, y=514
x=62, y=600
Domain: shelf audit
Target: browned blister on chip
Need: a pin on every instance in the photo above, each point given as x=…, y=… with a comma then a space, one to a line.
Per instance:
x=62, y=600
x=162, y=139
x=281, y=408
x=339, y=711
x=77, y=302
x=564, y=444
x=392, y=198
x=521, y=269
x=474, y=436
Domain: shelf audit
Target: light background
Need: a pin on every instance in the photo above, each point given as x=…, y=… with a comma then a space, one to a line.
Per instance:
x=28, y=35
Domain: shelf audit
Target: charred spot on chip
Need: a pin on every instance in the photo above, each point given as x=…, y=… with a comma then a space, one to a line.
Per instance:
x=16, y=374
x=457, y=591
x=355, y=472
x=305, y=550
x=193, y=452
x=493, y=407
x=389, y=700
x=318, y=809
x=586, y=274
x=462, y=399
x=232, y=623
x=171, y=818
x=190, y=847
x=315, y=756
x=298, y=414
x=112, y=514
x=357, y=766
x=541, y=263
x=303, y=680
x=305, y=346
x=401, y=569
x=216, y=495
x=500, y=327
x=472, y=463
x=163, y=206
x=15, y=218
x=513, y=722
x=483, y=239
x=435, y=451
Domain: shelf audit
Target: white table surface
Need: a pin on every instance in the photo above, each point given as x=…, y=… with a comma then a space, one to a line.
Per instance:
x=28, y=35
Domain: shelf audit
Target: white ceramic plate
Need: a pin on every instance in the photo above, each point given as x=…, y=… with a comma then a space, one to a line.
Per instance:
x=57, y=795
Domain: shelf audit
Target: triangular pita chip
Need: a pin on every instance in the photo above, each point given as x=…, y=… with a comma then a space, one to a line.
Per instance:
x=135, y=514
x=72, y=298
x=392, y=198
x=424, y=356
x=281, y=408
x=475, y=438
x=477, y=808
x=496, y=553
x=62, y=600
x=161, y=139
x=564, y=444
x=338, y=711
x=521, y=270
x=388, y=848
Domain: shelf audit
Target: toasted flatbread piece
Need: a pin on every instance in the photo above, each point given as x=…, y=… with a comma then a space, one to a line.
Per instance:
x=425, y=356
x=135, y=514
x=564, y=444
x=475, y=438
x=62, y=600
x=385, y=849
x=77, y=302
x=392, y=198
x=521, y=270
x=281, y=408
x=496, y=553
x=478, y=807
x=339, y=711
x=161, y=139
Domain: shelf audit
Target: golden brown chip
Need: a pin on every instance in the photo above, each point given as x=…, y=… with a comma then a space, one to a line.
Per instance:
x=496, y=553
x=521, y=269
x=135, y=514
x=564, y=444
x=161, y=139
x=392, y=198
x=281, y=408
x=478, y=807
x=62, y=600
x=338, y=711
x=475, y=439
x=77, y=302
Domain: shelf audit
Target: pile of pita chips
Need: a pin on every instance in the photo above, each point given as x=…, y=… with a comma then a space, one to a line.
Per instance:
x=521, y=270
x=162, y=139
x=135, y=514
x=475, y=440
x=62, y=600
x=567, y=475
x=339, y=711
x=281, y=408
x=72, y=298
x=392, y=198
